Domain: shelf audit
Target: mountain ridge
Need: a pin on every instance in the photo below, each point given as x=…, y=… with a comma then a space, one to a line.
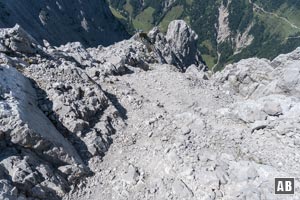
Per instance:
x=64, y=21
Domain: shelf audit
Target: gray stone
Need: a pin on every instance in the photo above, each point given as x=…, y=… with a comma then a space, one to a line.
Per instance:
x=132, y=175
x=272, y=108
x=181, y=190
x=258, y=125
x=183, y=42
x=185, y=130
x=178, y=47
x=3, y=48
x=250, y=112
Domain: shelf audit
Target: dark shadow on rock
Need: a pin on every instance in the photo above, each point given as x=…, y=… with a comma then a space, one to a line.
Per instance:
x=76, y=141
x=122, y=111
x=15, y=150
x=64, y=27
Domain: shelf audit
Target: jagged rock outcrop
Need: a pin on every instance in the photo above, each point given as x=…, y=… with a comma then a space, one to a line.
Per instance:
x=54, y=118
x=183, y=42
x=64, y=21
x=256, y=78
x=269, y=104
x=17, y=40
x=179, y=46
x=270, y=87
x=29, y=143
x=139, y=52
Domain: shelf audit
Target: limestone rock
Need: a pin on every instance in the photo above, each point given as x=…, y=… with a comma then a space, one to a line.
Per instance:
x=250, y=112
x=181, y=190
x=272, y=108
x=178, y=47
x=34, y=134
x=183, y=42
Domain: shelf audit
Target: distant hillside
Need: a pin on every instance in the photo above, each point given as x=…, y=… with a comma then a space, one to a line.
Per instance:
x=62, y=21
x=228, y=30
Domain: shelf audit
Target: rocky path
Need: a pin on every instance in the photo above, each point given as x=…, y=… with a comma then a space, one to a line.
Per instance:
x=216, y=65
x=161, y=106
x=165, y=111
x=177, y=145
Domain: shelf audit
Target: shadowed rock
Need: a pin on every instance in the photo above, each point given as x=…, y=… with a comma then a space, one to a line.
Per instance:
x=64, y=21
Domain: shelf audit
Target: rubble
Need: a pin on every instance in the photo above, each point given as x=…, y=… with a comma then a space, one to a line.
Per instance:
x=143, y=119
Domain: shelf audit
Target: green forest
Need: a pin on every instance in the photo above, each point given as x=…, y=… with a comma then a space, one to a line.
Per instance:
x=274, y=28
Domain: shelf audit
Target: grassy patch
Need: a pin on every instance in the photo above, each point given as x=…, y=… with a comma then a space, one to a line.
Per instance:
x=210, y=61
x=187, y=19
x=189, y=2
x=173, y=14
x=144, y=20
x=276, y=25
x=116, y=13
x=208, y=45
x=128, y=7
x=290, y=13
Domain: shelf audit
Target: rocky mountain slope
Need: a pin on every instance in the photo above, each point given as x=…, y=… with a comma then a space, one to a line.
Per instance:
x=228, y=30
x=138, y=120
x=64, y=21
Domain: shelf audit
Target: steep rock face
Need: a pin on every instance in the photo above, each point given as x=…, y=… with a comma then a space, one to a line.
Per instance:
x=64, y=21
x=179, y=46
x=183, y=41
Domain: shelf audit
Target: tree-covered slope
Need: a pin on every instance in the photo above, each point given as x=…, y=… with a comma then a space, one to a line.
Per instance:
x=228, y=30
